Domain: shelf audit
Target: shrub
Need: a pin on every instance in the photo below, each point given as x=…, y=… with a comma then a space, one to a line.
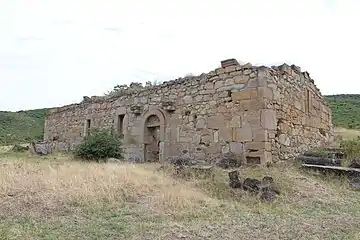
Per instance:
x=19, y=148
x=100, y=145
x=351, y=147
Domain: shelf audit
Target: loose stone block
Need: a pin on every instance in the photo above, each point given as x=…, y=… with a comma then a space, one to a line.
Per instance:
x=229, y=62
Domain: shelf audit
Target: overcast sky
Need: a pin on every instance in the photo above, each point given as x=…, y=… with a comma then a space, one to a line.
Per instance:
x=53, y=52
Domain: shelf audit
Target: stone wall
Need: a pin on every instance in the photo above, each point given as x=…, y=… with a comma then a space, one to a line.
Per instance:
x=257, y=113
x=303, y=120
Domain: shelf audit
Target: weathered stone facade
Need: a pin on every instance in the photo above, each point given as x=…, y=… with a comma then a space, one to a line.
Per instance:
x=260, y=114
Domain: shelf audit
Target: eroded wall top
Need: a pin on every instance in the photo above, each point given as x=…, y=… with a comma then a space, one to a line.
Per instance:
x=227, y=67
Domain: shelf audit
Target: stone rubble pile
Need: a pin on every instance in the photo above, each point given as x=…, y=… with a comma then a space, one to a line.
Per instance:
x=40, y=148
x=265, y=189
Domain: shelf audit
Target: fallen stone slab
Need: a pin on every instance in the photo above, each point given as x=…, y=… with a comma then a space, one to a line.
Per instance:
x=353, y=174
x=330, y=154
x=344, y=169
x=354, y=163
x=323, y=161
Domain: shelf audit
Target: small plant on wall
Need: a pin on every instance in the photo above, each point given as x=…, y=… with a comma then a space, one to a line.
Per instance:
x=101, y=144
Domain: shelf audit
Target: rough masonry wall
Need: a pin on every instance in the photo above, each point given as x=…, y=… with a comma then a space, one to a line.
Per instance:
x=303, y=118
x=259, y=114
x=207, y=116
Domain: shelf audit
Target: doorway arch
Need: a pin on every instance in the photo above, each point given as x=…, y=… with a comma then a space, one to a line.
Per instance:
x=153, y=135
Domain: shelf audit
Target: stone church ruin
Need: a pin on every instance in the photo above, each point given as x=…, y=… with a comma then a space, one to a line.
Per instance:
x=259, y=114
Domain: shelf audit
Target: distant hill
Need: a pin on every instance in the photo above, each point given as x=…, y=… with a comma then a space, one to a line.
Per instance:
x=22, y=126
x=345, y=110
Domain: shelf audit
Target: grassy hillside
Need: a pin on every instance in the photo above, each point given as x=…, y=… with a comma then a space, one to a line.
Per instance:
x=345, y=110
x=22, y=126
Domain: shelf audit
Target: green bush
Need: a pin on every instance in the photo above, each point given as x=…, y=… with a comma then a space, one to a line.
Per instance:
x=99, y=145
x=351, y=147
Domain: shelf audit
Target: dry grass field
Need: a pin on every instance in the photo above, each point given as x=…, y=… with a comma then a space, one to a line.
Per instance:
x=58, y=198
x=347, y=133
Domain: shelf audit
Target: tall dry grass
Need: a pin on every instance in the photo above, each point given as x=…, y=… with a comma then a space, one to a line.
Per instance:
x=55, y=198
x=48, y=186
x=347, y=134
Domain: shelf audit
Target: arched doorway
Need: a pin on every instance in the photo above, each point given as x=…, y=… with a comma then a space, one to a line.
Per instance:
x=152, y=138
x=153, y=142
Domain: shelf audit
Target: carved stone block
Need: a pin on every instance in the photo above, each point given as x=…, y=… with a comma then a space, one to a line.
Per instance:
x=136, y=109
x=168, y=106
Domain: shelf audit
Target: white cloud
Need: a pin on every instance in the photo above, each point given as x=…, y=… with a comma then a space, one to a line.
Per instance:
x=54, y=52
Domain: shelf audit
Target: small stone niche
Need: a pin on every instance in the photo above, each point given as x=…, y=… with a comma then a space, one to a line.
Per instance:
x=253, y=160
x=168, y=106
x=136, y=109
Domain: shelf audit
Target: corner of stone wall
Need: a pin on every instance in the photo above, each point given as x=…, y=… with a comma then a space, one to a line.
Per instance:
x=251, y=139
x=302, y=119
